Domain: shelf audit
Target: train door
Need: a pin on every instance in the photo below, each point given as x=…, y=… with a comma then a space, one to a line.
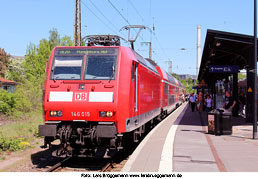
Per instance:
x=169, y=101
x=136, y=80
x=135, y=87
x=136, y=100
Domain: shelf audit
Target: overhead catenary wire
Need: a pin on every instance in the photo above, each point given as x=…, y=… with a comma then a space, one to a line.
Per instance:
x=160, y=45
x=136, y=10
x=152, y=33
x=160, y=59
x=118, y=12
x=109, y=21
x=99, y=18
x=126, y=20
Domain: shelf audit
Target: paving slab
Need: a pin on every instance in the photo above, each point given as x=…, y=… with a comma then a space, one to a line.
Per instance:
x=148, y=155
x=193, y=149
x=192, y=152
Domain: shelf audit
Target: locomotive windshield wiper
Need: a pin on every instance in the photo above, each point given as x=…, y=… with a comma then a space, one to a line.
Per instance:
x=54, y=78
x=112, y=75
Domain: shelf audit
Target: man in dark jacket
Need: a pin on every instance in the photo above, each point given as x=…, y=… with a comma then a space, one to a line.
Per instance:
x=229, y=102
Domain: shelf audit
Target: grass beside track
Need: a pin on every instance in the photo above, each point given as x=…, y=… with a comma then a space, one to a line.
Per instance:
x=20, y=134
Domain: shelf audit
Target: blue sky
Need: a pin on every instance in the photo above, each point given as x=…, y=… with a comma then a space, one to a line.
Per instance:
x=28, y=21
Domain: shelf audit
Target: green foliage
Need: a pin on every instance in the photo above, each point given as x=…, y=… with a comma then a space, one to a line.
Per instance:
x=66, y=41
x=176, y=76
x=4, y=62
x=29, y=93
x=27, y=97
x=54, y=38
x=16, y=136
x=23, y=128
x=7, y=102
x=30, y=73
x=188, y=83
x=24, y=97
x=12, y=144
x=35, y=62
x=16, y=72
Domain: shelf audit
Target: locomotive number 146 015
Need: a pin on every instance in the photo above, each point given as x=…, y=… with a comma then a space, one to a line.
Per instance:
x=78, y=114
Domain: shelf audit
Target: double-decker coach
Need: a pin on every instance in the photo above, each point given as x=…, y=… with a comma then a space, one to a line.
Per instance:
x=170, y=92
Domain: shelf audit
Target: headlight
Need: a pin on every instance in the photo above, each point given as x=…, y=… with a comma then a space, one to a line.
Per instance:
x=102, y=114
x=105, y=114
x=55, y=113
x=59, y=113
x=109, y=114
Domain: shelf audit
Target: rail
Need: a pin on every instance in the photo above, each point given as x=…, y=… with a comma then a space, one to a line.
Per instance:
x=58, y=165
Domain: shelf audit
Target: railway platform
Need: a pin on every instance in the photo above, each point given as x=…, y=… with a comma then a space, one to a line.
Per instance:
x=180, y=143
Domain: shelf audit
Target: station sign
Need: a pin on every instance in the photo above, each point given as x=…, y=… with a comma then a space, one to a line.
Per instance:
x=223, y=68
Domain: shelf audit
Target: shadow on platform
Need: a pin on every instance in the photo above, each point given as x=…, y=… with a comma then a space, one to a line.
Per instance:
x=197, y=118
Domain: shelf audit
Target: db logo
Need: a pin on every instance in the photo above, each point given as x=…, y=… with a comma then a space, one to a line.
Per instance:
x=80, y=97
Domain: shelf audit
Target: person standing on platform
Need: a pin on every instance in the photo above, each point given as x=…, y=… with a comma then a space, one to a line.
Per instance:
x=200, y=102
x=196, y=101
x=208, y=103
x=241, y=100
x=229, y=102
x=192, y=101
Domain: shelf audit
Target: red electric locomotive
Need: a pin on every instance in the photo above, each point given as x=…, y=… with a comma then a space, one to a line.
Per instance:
x=102, y=98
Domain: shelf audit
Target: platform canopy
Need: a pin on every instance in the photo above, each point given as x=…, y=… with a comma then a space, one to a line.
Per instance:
x=225, y=49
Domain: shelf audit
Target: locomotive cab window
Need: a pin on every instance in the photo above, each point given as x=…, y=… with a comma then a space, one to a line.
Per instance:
x=67, y=68
x=133, y=71
x=100, y=67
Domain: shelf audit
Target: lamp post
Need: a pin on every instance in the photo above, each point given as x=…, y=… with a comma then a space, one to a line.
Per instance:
x=255, y=74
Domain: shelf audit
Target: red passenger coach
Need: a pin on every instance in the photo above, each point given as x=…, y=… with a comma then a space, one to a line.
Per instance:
x=102, y=97
x=171, y=90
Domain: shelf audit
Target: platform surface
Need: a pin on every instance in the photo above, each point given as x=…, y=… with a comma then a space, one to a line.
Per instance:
x=180, y=143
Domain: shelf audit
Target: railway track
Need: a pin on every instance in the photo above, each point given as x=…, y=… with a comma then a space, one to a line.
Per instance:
x=107, y=167
x=88, y=164
x=114, y=164
x=58, y=165
x=72, y=164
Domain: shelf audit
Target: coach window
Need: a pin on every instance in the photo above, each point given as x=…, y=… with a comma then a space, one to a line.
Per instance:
x=165, y=88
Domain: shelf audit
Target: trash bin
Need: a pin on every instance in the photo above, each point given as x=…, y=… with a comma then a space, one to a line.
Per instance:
x=220, y=122
x=226, y=122
x=213, y=123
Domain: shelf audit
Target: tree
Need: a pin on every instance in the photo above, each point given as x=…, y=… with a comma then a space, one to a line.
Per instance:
x=4, y=62
x=54, y=38
x=188, y=83
x=30, y=74
x=15, y=72
x=35, y=62
x=176, y=76
x=66, y=41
